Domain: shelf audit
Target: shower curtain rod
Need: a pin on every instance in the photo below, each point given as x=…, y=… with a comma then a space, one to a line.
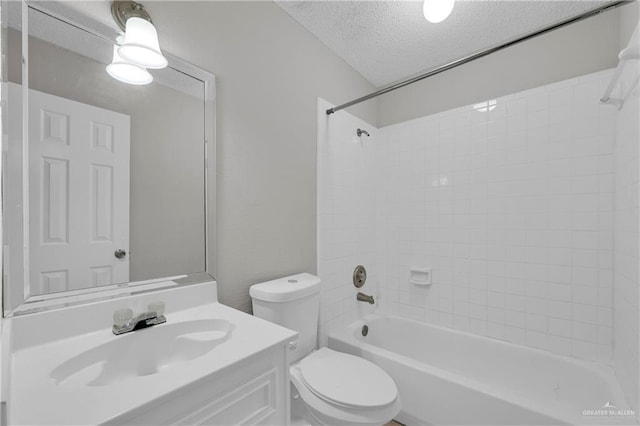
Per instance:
x=474, y=56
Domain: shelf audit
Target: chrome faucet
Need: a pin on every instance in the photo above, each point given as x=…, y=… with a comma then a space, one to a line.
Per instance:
x=125, y=322
x=364, y=298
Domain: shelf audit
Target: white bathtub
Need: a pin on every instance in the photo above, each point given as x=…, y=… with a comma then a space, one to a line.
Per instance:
x=450, y=377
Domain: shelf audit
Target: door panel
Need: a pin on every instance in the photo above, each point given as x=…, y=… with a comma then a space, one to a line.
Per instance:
x=78, y=194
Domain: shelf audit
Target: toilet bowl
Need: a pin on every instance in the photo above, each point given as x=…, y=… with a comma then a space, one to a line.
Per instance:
x=327, y=387
x=342, y=389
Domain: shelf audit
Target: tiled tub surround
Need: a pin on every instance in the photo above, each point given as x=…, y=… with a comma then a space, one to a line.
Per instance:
x=627, y=260
x=346, y=216
x=511, y=203
x=525, y=208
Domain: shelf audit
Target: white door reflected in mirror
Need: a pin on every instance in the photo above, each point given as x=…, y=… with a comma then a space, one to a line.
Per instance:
x=79, y=194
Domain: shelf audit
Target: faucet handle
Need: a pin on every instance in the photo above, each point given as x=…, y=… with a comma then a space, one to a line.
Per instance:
x=121, y=316
x=157, y=307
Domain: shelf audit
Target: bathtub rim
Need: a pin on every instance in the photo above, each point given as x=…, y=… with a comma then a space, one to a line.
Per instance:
x=347, y=335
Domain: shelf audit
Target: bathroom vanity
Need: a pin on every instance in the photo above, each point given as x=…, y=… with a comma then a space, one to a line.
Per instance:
x=208, y=364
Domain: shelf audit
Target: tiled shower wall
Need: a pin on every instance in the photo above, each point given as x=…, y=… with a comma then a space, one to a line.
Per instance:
x=510, y=202
x=627, y=260
x=346, y=215
x=512, y=205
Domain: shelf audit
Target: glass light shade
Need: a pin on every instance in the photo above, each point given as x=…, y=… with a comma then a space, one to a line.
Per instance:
x=141, y=46
x=126, y=72
x=437, y=10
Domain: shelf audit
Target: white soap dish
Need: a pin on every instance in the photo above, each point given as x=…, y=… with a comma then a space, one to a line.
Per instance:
x=420, y=276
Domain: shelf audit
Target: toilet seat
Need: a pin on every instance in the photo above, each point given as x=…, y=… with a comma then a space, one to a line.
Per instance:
x=347, y=380
x=333, y=406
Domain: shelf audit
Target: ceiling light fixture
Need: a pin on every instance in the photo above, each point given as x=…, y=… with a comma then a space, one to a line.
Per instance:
x=436, y=11
x=140, y=45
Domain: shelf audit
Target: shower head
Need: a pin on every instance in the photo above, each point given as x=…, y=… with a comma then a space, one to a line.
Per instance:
x=361, y=132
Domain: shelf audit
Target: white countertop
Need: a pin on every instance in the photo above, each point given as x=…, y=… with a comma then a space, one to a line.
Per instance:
x=37, y=399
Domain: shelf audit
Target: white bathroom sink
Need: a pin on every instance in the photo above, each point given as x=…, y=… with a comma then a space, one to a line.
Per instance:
x=142, y=353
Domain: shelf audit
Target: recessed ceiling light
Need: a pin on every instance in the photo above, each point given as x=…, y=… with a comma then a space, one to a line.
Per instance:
x=437, y=10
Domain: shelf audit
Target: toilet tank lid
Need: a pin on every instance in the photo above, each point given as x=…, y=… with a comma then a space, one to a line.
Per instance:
x=286, y=288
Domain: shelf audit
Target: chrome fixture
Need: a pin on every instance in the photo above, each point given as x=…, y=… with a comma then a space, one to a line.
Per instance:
x=364, y=298
x=139, y=48
x=359, y=276
x=598, y=10
x=122, y=10
x=125, y=322
x=358, y=137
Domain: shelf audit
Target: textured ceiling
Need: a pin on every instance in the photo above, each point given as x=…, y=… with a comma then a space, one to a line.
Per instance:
x=387, y=41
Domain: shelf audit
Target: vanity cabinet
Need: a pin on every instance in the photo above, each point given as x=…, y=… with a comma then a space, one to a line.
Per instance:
x=86, y=375
x=253, y=391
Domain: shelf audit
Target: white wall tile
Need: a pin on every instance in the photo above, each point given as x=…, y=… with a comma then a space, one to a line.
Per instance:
x=514, y=233
x=346, y=218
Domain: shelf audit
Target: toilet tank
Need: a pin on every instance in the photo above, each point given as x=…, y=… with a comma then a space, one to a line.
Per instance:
x=292, y=302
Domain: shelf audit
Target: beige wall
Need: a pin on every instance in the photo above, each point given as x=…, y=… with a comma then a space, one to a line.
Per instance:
x=581, y=48
x=269, y=73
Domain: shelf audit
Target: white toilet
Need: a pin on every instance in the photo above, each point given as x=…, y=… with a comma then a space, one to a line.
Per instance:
x=328, y=387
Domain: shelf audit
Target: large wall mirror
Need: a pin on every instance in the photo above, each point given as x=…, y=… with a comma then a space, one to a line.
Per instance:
x=107, y=187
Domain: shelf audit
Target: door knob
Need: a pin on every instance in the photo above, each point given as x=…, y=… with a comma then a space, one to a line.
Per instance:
x=120, y=253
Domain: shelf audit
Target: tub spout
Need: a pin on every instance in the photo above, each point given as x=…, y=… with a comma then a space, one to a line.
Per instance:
x=364, y=298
